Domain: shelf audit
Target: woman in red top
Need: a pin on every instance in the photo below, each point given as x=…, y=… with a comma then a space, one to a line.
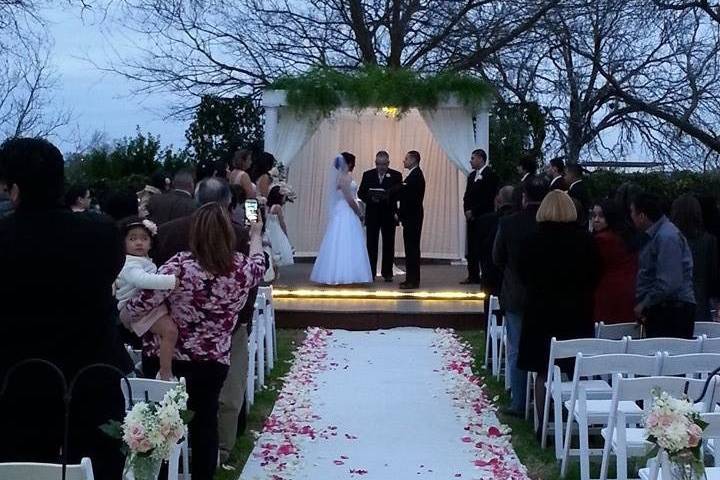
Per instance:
x=617, y=244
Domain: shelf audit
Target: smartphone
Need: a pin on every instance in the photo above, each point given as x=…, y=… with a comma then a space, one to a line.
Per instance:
x=251, y=211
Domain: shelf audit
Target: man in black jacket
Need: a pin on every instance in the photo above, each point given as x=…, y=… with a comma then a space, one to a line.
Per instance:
x=479, y=199
x=578, y=191
x=58, y=269
x=412, y=194
x=381, y=212
x=511, y=241
x=176, y=203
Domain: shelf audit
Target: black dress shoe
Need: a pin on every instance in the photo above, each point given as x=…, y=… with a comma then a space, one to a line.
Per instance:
x=408, y=286
x=388, y=279
x=470, y=281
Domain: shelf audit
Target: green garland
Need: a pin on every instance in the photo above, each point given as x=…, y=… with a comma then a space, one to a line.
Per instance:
x=324, y=89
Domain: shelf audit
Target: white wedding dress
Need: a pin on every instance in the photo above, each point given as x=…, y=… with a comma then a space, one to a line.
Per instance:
x=342, y=258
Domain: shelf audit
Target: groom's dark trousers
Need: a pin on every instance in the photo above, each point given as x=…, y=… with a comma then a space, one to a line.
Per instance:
x=412, y=194
x=380, y=217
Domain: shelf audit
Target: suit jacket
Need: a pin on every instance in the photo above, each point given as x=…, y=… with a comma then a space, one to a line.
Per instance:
x=169, y=206
x=487, y=226
x=412, y=194
x=480, y=194
x=511, y=241
x=579, y=192
x=384, y=210
x=174, y=237
x=58, y=269
x=518, y=191
x=558, y=183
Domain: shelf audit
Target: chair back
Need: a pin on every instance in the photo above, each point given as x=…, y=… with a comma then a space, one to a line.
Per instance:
x=709, y=329
x=145, y=389
x=692, y=365
x=636, y=389
x=560, y=349
x=710, y=345
x=618, y=363
x=673, y=346
x=617, y=331
x=46, y=471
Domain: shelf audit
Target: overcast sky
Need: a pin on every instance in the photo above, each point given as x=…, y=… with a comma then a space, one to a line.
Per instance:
x=101, y=101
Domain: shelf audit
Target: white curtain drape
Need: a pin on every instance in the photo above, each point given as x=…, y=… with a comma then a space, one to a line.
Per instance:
x=453, y=130
x=364, y=134
x=289, y=134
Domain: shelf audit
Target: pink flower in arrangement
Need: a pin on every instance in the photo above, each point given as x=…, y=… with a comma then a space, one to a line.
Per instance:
x=694, y=435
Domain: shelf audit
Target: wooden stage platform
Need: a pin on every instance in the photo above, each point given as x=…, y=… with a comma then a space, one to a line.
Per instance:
x=440, y=302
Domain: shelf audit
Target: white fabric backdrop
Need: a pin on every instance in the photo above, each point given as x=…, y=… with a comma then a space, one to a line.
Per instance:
x=364, y=134
x=289, y=134
x=453, y=129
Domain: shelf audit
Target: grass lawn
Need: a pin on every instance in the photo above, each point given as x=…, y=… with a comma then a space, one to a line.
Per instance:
x=287, y=342
x=539, y=462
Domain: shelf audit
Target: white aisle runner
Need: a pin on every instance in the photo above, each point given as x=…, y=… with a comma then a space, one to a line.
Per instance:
x=395, y=404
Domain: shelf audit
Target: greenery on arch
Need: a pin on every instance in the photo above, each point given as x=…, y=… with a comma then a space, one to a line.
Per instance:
x=324, y=89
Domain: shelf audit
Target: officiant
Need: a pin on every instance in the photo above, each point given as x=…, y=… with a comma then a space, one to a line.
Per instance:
x=378, y=189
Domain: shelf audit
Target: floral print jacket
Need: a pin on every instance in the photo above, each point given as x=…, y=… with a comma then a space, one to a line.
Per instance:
x=203, y=306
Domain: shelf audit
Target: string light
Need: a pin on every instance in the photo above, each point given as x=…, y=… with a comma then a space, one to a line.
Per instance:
x=390, y=112
x=333, y=293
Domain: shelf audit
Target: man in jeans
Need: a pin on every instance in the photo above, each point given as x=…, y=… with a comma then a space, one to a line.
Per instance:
x=512, y=238
x=665, y=297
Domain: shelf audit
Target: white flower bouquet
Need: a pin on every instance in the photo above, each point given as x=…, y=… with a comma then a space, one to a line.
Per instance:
x=674, y=426
x=150, y=431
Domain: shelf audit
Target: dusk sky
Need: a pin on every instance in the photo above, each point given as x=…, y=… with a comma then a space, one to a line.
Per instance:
x=99, y=100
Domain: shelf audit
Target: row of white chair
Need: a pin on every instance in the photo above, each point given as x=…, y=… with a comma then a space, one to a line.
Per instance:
x=619, y=330
x=262, y=343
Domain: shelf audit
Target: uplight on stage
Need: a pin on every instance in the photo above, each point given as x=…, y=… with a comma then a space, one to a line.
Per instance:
x=332, y=293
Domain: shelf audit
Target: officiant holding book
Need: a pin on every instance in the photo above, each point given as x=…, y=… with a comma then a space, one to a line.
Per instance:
x=378, y=189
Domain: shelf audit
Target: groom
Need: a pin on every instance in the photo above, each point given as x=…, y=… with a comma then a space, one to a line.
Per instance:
x=378, y=190
x=412, y=193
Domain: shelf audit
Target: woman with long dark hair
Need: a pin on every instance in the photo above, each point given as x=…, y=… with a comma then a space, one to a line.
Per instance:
x=213, y=285
x=617, y=243
x=686, y=214
x=240, y=165
x=261, y=173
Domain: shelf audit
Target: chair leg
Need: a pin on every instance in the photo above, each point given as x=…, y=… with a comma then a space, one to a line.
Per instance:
x=174, y=463
x=558, y=424
x=487, y=345
x=621, y=462
x=186, y=460
x=528, y=389
x=566, y=445
x=546, y=415
x=584, y=449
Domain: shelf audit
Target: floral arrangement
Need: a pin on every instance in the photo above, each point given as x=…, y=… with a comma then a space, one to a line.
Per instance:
x=150, y=431
x=674, y=426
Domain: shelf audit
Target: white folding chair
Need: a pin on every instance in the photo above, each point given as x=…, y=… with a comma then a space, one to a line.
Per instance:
x=624, y=441
x=710, y=345
x=674, y=346
x=616, y=331
x=46, y=471
x=493, y=338
x=260, y=303
x=709, y=329
x=145, y=389
x=558, y=390
x=694, y=365
x=252, y=356
x=270, y=332
x=588, y=412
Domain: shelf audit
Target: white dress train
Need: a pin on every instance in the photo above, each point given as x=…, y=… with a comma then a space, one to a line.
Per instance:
x=342, y=257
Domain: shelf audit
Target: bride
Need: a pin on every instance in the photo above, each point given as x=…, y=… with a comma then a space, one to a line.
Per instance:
x=343, y=257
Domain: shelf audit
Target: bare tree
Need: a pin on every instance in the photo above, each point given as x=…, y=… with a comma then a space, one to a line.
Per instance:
x=195, y=47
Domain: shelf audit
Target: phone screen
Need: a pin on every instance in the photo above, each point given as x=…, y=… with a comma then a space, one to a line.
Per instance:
x=251, y=211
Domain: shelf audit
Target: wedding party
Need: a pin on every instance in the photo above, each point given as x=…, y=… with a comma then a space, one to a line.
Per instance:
x=251, y=240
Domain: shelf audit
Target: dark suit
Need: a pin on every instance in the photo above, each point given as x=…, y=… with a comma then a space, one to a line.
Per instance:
x=380, y=217
x=491, y=279
x=479, y=199
x=579, y=192
x=411, y=213
x=558, y=183
x=58, y=268
x=169, y=206
x=519, y=189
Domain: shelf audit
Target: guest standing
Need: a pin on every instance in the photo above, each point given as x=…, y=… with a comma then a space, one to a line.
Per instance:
x=617, y=244
x=491, y=278
x=213, y=285
x=527, y=169
x=241, y=164
x=556, y=170
x=77, y=198
x=512, y=239
x=159, y=184
x=664, y=299
x=56, y=296
x=559, y=301
x=381, y=212
x=176, y=203
x=687, y=217
x=261, y=173
x=577, y=190
x=411, y=212
x=479, y=199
